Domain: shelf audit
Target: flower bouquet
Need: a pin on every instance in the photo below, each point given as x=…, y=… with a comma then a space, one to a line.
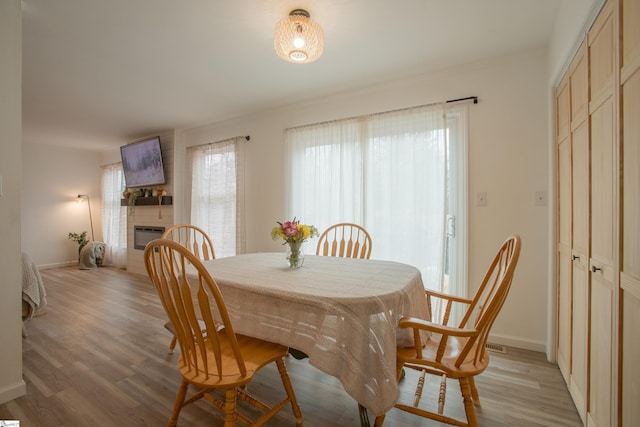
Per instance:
x=294, y=234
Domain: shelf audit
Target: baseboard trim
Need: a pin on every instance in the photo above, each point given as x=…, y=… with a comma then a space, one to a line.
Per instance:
x=518, y=343
x=13, y=391
x=57, y=265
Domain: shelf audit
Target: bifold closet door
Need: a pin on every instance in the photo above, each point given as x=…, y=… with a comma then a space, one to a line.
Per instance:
x=572, y=109
x=630, y=274
x=580, y=209
x=563, y=134
x=603, y=330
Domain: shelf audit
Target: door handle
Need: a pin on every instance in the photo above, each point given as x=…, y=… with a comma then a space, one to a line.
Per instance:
x=575, y=257
x=451, y=225
x=594, y=268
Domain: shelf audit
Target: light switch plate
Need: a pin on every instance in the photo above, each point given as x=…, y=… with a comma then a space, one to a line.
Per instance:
x=541, y=198
x=482, y=199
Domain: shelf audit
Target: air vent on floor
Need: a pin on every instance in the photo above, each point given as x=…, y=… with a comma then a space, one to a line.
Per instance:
x=496, y=348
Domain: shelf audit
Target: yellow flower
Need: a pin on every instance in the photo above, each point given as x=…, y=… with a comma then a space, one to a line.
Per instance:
x=306, y=233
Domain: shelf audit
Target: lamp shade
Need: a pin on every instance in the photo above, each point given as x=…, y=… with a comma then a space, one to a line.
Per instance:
x=297, y=38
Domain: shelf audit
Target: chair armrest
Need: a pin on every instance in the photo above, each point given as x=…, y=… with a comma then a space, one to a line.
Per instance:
x=425, y=325
x=445, y=303
x=448, y=297
x=445, y=331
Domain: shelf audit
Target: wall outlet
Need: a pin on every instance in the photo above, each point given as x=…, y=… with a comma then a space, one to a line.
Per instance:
x=482, y=199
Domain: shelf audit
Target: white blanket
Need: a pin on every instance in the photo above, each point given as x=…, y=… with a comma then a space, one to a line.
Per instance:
x=91, y=255
x=33, y=291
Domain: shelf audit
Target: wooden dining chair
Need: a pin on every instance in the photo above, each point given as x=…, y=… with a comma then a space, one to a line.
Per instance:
x=217, y=359
x=198, y=242
x=457, y=352
x=345, y=240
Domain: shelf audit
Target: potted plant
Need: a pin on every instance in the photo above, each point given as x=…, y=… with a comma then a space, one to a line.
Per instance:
x=80, y=238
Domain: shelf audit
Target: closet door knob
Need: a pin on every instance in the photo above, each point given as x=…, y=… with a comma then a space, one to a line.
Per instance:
x=594, y=268
x=575, y=257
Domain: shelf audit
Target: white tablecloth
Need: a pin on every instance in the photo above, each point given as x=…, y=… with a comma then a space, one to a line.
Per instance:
x=343, y=313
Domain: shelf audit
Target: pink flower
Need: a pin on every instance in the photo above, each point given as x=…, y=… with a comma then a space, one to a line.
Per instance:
x=290, y=228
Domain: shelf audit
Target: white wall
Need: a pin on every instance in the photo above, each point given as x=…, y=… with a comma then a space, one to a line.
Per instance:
x=52, y=178
x=11, y=383
x=507, y=159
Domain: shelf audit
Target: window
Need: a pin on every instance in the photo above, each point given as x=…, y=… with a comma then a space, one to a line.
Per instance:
x=217, y=194
x=401, y=175
x=114, y=216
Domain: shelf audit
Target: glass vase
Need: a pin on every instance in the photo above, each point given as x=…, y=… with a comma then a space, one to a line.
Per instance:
x=295, y=256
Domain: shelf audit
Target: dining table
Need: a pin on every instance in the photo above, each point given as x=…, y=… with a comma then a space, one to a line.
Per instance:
x=342, y=313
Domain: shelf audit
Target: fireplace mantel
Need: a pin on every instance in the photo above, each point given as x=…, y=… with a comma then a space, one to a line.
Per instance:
x=148, y=201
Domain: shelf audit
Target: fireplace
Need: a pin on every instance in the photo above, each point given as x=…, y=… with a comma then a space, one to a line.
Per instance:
x=143, y=234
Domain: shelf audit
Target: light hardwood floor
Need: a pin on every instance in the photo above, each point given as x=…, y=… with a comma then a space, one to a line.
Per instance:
x=96, y=355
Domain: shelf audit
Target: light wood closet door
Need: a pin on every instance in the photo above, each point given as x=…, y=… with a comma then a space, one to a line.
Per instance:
x=630, y=273
x=580, y=230
x=572, y=106
x=603, y=296
x=563, y=122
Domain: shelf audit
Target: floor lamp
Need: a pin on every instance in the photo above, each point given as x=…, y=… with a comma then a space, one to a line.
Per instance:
x=79, y=199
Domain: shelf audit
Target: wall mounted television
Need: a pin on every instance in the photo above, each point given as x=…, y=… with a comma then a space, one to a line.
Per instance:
x=142, y=163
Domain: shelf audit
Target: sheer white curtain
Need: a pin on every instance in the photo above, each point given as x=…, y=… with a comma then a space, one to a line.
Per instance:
x=326, y=174
x=217, y=194
x=389, y=172
x=114, y=216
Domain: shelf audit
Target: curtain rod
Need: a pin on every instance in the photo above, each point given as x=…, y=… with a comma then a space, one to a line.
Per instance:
x=246, y=137
x=468, y=98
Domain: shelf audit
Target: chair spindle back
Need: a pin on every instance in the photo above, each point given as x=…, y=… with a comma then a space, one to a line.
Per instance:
x=345, y=240
x=490, y=297
x=195, y=239
x=180, y=279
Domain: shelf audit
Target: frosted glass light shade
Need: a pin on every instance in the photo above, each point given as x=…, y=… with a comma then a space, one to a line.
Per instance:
x=297, y=38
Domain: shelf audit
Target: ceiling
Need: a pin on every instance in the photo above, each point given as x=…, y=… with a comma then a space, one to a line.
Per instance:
x=97, y=73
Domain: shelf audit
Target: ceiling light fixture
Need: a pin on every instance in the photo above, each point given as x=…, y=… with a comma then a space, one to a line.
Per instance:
x=297, y=38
